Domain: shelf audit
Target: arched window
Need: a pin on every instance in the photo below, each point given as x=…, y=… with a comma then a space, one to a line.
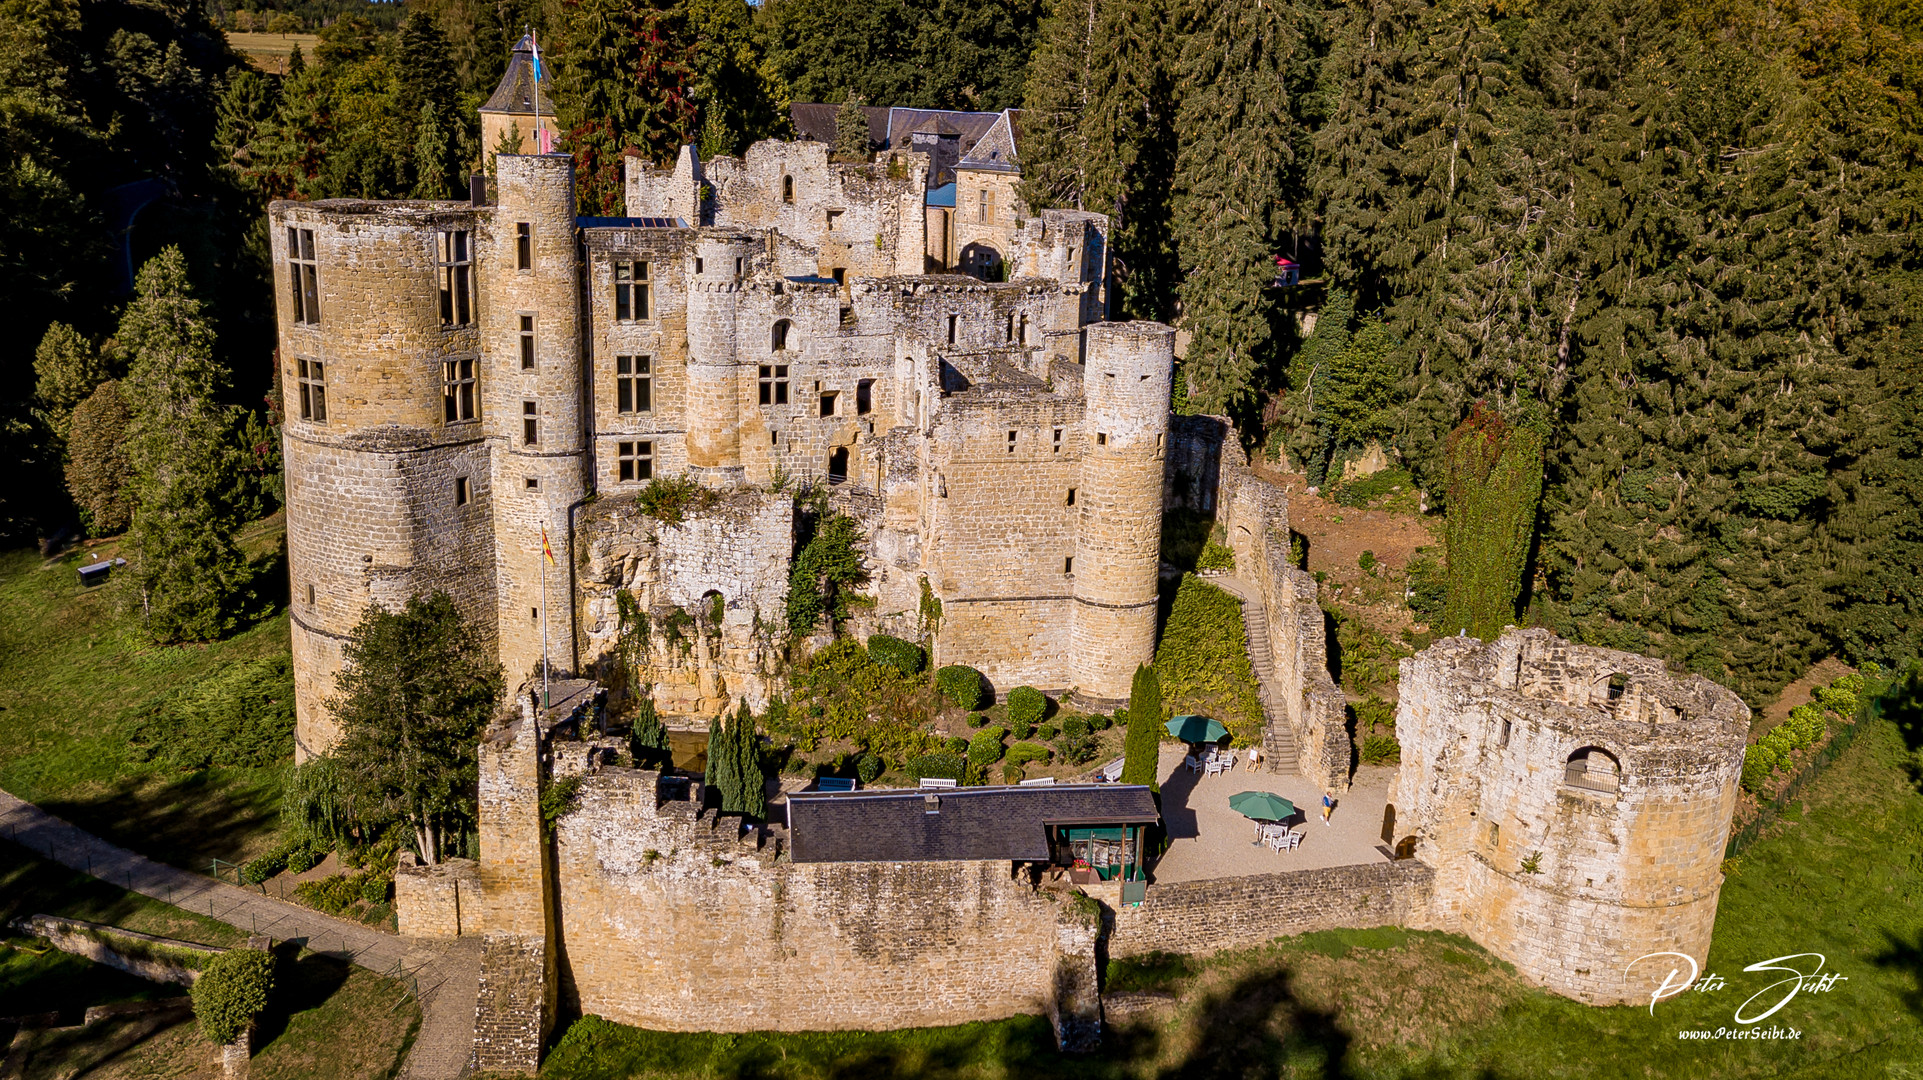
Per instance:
x=1593, y=769
x=838, y=465
x=1618, y=684
x=787, y=189
x=714, y=606
x=778, y=341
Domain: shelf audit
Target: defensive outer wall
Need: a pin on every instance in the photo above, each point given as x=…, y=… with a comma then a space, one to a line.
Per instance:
x=1564, y=806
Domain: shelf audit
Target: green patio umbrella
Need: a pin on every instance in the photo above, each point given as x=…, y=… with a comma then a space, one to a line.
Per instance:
x=1261, y=805
x=1196, y=729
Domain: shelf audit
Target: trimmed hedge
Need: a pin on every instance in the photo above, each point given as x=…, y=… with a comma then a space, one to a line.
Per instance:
x=869, y=767
x=892, y=652
x=232, y=989
x=985, y=748
x=1026, y=705
x=962, y=686
x=941, y=764
x=1024, y=752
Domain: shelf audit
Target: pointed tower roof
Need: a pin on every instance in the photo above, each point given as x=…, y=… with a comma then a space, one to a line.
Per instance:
x=515, y=95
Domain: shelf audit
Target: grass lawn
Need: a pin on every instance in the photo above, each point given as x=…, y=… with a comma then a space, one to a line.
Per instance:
x=1843, y=877
x=327, y=1019
x=77, y=672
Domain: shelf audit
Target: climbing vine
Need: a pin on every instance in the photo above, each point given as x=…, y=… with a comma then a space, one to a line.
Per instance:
x=1494, y=486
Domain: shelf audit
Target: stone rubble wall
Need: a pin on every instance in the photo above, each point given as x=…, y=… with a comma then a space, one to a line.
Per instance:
x=429, y=900
x=1238, y=912
x=514, y=1011
x=94, y=941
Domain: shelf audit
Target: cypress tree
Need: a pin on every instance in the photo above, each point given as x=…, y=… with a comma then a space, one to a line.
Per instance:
x=1495, y=484
x=648, y=737
x=187, y=566
x=1142, y=745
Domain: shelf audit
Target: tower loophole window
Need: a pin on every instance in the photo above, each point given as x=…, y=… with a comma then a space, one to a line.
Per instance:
x=864, y=397
x=953, y=322
x=523, y=245
x=530, y=424
x=787, y=189
x=455, y=260
x=1593, y=769
x=527, y=343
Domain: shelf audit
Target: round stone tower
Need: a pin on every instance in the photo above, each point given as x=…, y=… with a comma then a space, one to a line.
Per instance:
x=533, y=409
x=718, y=348
x=386, y=498
x=1574, y=802
x=1126, y=381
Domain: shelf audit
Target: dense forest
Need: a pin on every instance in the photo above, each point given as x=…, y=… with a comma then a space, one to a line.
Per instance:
x=1632, y=282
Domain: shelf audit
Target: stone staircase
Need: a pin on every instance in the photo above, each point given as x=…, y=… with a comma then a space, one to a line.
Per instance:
x=1278, y=742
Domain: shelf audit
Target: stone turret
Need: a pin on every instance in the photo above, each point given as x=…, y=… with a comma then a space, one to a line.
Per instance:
x=1574, y=802
x=387, y=496
x=1126, y=382
x=533, y=412
x=718, y=351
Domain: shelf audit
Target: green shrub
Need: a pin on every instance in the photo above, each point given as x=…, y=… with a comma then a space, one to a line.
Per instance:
x=1047, y=732
x=333, y=895
x=975, y=719
x=669, y=499
x=296, y=851
x=1428, y=587
x=942, y=764
x=985, y=748
x=1077, y=744
x=1022, y=753
x=374, y=888
x=869, y=767
x=557, y=800
x=1026, y=705
x=232, y=989
x=1100, y=722
x=1022, y=731
x=956, y=745
x=1380, y=750
x=1366, y=561
x=962, y=686
x=904, y=656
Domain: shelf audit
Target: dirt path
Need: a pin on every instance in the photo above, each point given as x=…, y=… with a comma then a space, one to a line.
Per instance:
x=1338, y=535
x=1797, y=693
x=447, y=975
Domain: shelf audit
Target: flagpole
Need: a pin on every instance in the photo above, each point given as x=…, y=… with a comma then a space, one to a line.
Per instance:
x=546, y=702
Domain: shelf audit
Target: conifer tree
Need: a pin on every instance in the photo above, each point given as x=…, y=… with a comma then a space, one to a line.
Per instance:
x=648, y=736
x=1239, y=180
x=734, y=764
x=851, y=132
x=67, y=369
x=187, y=566
x=623, y=71
x=741, y=98
x=1099, y=126
x=1142, y=744
x=97, y=466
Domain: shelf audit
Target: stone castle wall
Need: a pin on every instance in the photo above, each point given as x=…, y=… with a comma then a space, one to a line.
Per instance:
x=1237, y=912
x=1568, y=875
x=673, y=923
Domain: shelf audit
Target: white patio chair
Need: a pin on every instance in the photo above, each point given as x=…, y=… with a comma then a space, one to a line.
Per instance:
x=1193, y=764
x=1295, y=840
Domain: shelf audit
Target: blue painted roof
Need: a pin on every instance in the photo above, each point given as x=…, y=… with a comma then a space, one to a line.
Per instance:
x=943, y=195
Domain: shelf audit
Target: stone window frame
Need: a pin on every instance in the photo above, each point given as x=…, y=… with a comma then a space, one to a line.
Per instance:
x=311, y=377
x=530, y=423
x=787, y=188
x=460, y=390
x=304, y=275
x=524, y=245
x=634, y=384
x=830, y=403
x=773, y=381
x=985, y=208
x=454, y=273
x=463, y=491
x=633, y=291
x=527, y=340
x=864, y=397
x=634, y=461
x=778, y=335
x=1058, y=441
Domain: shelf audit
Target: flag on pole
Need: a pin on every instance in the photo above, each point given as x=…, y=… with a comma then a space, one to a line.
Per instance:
x=535, y=40
x=545, y=549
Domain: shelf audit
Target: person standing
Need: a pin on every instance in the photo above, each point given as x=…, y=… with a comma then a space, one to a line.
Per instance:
x=1328, y=807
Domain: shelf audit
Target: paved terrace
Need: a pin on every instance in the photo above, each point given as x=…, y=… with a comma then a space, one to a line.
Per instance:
x=1209, y=840
x=447, y=973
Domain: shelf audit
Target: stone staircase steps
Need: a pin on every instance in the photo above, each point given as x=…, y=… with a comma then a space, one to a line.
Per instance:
x=1278, y=742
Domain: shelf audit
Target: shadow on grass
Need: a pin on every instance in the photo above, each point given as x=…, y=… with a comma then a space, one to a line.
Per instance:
x=1905, y=957
x=186, y=821
x=301, y=982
